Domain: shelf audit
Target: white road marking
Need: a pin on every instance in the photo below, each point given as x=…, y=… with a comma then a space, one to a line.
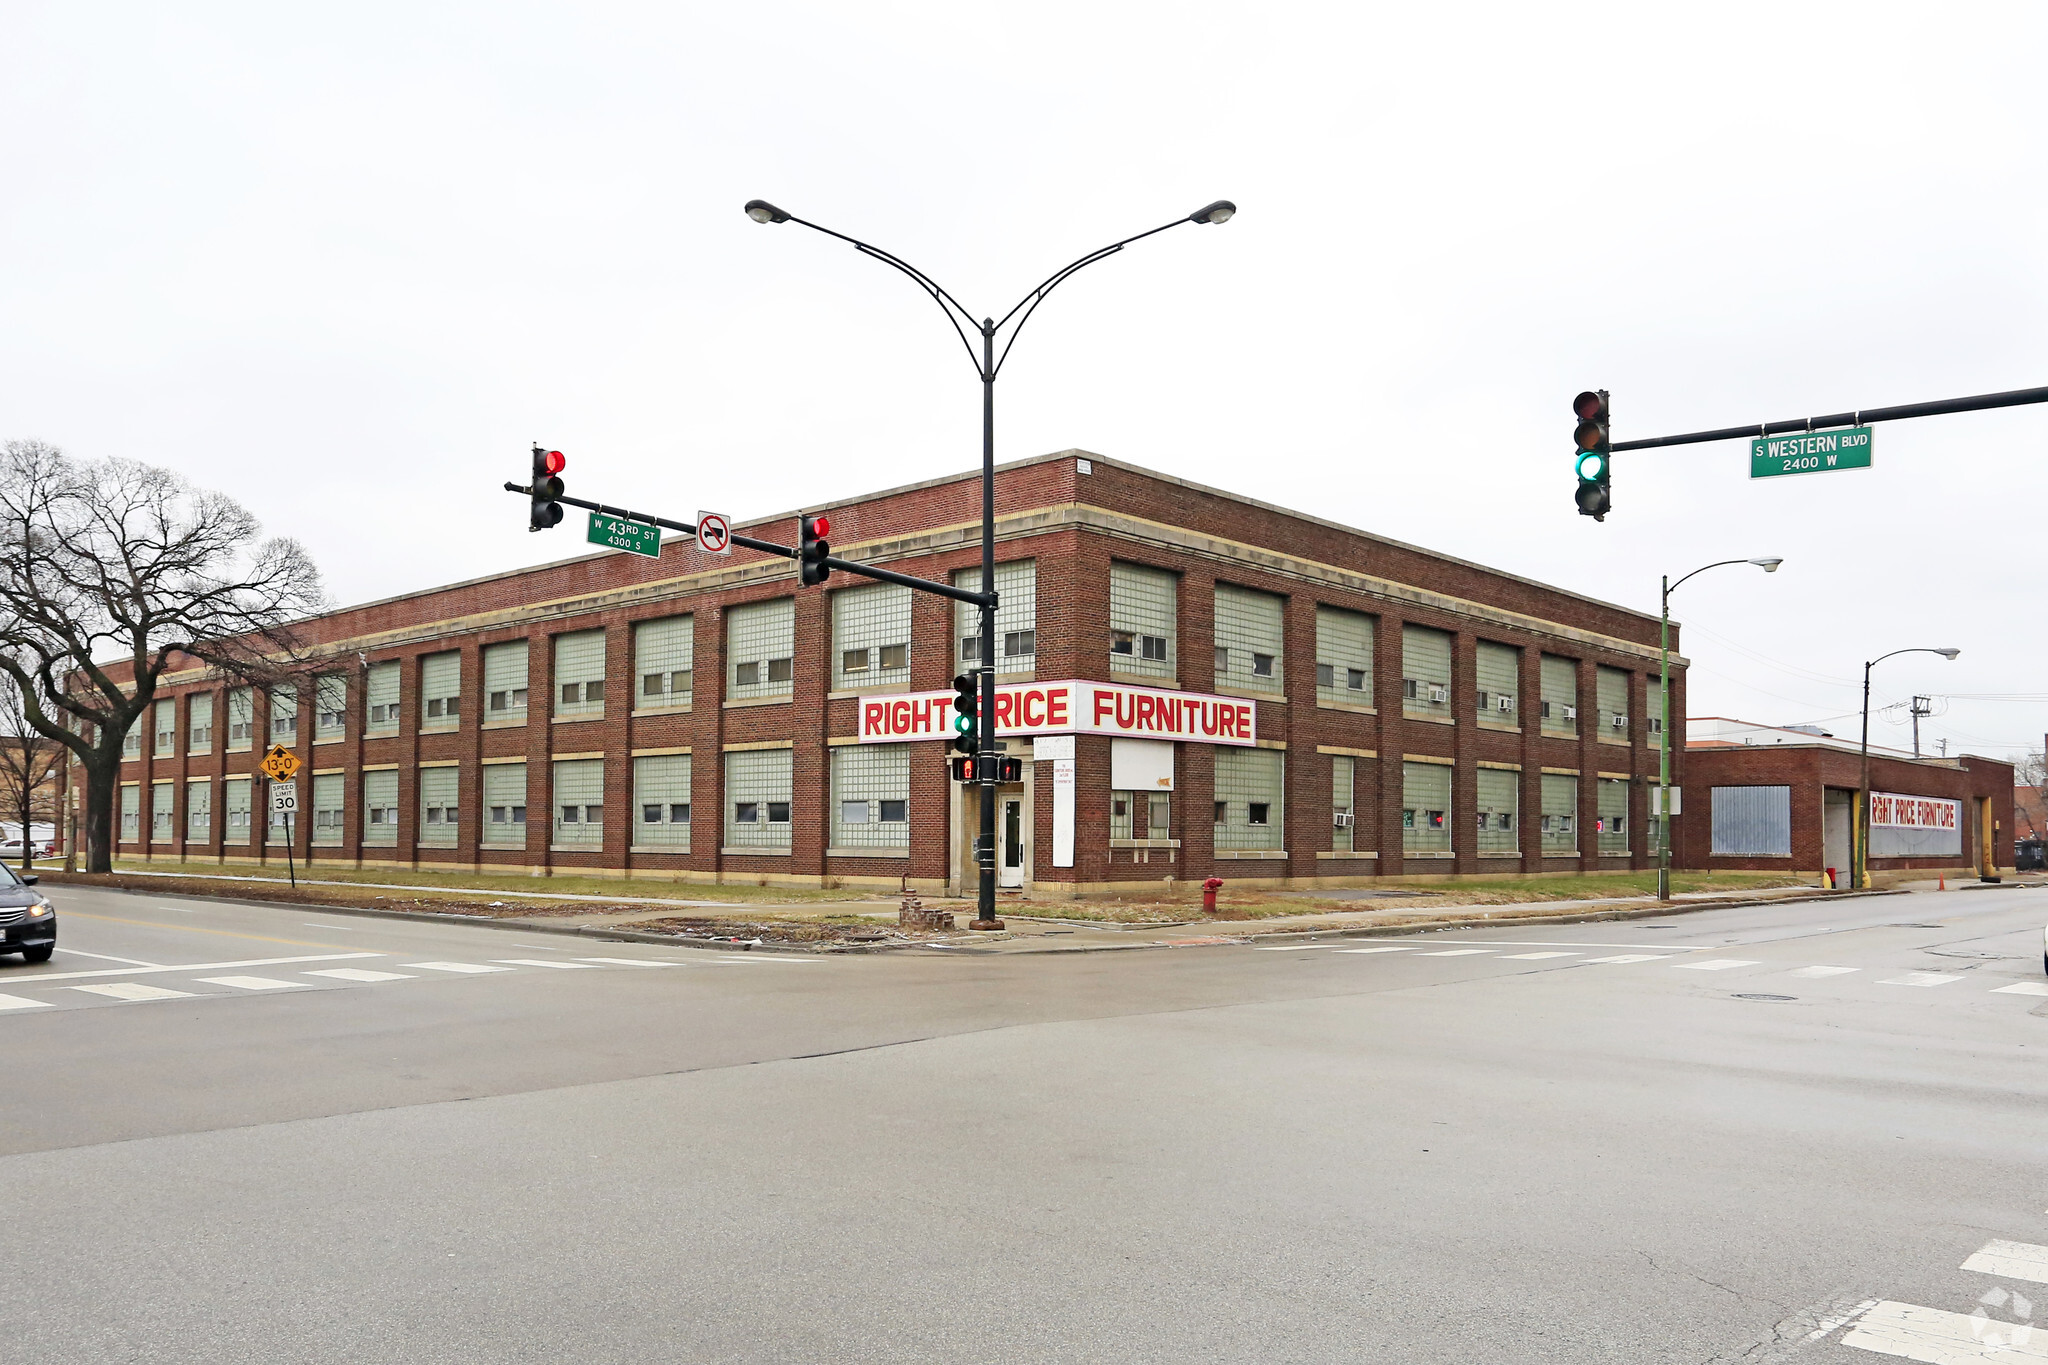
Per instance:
x=252, y=983
x=633, y=962
x=1630, y=957
x=1810, y=973
x=2022, y=988
x=766, y=961
x=197, y=966
x=107, y=957
x=2014, y=1260
x=132, y=990
x=1375, y=950
x=454, y=967
x=1459, y=952
x=358, y=974
x=1938, y=1338
x=1717, y=964
x=1565, y=943
x=1292, y=947
x=1920, y=979
x=15, y=1002
x=540, y=962
x=1532, y=957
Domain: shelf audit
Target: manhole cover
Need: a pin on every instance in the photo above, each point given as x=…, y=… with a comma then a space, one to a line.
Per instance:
x=1765, y=997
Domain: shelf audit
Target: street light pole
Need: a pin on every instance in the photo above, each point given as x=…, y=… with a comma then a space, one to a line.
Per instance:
x=1769, y=565
x=1860, y=875
x=988, y=364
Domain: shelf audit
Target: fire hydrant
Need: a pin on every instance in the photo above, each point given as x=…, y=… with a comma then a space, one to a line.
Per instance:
x=1209, y=890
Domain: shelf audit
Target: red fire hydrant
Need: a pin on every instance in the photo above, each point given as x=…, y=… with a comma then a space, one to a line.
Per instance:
x=1209, y=890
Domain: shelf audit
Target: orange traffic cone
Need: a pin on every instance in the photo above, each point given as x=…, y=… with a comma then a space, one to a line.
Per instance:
x=1944, y=883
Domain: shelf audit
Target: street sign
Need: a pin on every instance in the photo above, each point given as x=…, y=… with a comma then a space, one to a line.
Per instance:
x=714, y=533
x=1809, y=452
x=284, y=798
x=620, y=534
x=280, y=764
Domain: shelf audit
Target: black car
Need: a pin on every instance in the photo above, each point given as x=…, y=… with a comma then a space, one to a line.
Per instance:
x=2027, y=856
x=28, y=922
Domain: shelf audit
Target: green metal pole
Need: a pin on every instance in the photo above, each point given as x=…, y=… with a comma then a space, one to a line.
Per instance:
x=1664, y=744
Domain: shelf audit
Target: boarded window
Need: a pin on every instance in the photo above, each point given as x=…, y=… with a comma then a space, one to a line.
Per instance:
x=1249, y=629
x=380, y=809
x=1141, y=614
x=1249, y=798
x=441, y=691
x=199, y=810
x=284, y=716
x=760, y=642
x=1016, y=617
x=1560, y=818
x=757, y=788
x=1610, y=686
x=871, y=636
x=1559, y=704
x=1343, y=810
x=199, y=723
x=664, y=655
x=165, y=713
x=330, y=706
x=1499, y=819
x=1425, y=808
x=1752, y=822
x=329, y=809
x=1498, y=673
x=131, y=814
x=661, y=802
x=505, y=684
x=504, y=806
x=440, y=809
x=1611, y=797
x=380, y=698
x=161, y=795
x=579, y=674
x=1425, y=671
x=579, y=802
x=237, y=794
x=871, y=797
x=1344, y=648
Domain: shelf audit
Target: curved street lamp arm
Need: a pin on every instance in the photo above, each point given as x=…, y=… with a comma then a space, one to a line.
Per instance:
x=1917, y=649
x=1029, y=303
x=947, y=303
x=1702, y=569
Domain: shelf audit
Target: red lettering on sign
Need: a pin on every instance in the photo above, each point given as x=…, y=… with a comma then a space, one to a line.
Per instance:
x=1006, y=703
x=1144, y=706
x=1244, y=721
x=1105, y=705
x=899, y=718
x=873, y=717
x=1032, y=721
x=1056, y=709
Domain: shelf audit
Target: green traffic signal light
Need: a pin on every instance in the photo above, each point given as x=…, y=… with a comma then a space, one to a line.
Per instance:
x=1594, y=495
x=1592, y=465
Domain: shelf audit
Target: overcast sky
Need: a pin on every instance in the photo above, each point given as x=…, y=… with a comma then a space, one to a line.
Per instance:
x=347, y=263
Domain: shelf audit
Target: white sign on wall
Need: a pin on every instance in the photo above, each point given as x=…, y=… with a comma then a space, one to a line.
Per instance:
x=1140, y=765
x=1896, y=811
x=1072, y=706
x=1063, y=812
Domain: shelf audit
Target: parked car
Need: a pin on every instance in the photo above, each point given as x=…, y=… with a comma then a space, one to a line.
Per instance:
x=28, y=922
x=2028, y=855
x=10, y=849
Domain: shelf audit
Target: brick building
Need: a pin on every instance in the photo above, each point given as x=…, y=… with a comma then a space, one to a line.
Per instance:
x=1339, y=705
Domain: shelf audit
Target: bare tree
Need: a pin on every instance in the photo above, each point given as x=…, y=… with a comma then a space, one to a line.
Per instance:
x=29, y=763
x=2030, y=780
x=112, y=564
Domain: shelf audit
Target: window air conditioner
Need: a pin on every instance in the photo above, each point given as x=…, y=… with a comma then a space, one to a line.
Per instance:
x=1619, y=722
x=1571, y=713
x=1439, y=694
x=1341, y=819
x=1504, y=703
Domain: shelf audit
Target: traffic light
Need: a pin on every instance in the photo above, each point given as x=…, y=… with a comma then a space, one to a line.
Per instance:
x=1592, y=461
x=966, y=710
x=963, y=767
x=813, y=549
x=960, y=767
x=547, y=486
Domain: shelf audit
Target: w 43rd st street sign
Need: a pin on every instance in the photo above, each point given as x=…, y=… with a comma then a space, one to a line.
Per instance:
x=1809, y=452
x=631, y=536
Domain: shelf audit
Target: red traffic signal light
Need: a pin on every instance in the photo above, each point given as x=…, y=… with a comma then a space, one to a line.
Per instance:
x=813, y=550
x=545, y=488
x=553, y=461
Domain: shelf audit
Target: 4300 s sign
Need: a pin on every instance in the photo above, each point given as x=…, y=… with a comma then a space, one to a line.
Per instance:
x=1074, y=706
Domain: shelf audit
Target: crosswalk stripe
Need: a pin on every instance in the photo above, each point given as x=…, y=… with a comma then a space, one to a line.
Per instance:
x=632, y=962
x=1939, y=1338
x=1920, y=979
x=131, y=990
x=454, y=967
x=15, y=1002
x=542, y=962
x=2022, y=988
x=2014, y=1260
x=1811, y=973
x=1715, y=964
x=357, y=974
x=1287, y=947
x=252, y=983
x=1631, y=957
x=1531, y=957
x=1459, y=952
x=1382, y=950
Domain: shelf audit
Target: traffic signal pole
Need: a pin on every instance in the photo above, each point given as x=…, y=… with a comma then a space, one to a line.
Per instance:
x=985, y=765
x=2012, y=398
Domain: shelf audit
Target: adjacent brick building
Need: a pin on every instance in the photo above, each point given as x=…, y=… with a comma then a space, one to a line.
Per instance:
x=1346, y=706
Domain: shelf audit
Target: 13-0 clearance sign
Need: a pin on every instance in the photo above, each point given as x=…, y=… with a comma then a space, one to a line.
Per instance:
x=1072, y=707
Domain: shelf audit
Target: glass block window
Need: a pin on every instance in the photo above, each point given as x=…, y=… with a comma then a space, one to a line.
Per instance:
x=664, y=653
x=131, y=814
x=760, y=641
x=1159, y=815
x=441, y=691
x=871, y=797
x=199, y=810
x=1250, y=808
x=161, y=795
x=1344, y=645
x=1425, y=808
x=1610, y=692
x=1498, y=821
x=330, y=706
x=1248, y=636
x=579, y=674
x=757, y=787
x=661, y=801
x=237, y=796
x=440, y=808
x=1425, y=671
x=1610, y=795
x=241, y=718
x=329, y=799
x=504, y=806
x=1560, y=816
x=1560, y=701
x=284, y=716
x=1343, y=813
x=380, y=695
x=579, y=801
x=1123, y=820
x=165, y=715
x=1142, y=604
x=380, y=809
x=1016, y=617
x=131, y=742
x=199, y=723
x=871, y=636
x=1498, y=675
x=505, y=681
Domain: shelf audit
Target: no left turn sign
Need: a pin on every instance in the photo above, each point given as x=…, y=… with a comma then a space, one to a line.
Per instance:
x=714, y=533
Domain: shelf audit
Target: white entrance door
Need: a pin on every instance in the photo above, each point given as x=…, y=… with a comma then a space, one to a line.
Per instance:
x=1010, y=843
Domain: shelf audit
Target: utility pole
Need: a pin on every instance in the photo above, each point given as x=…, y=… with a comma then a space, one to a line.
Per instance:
x=1922, y=706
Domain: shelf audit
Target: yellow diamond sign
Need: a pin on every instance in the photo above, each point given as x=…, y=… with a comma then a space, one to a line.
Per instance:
x=280, y=764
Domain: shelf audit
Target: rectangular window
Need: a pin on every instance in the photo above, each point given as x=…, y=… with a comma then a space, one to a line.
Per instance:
x=760, y=641
x=871, y=797
x=330, y=706
x=1343, y=813
x=131, y=742
x=241, y=718
x=1560, y=815
x=1560, y=701
x=757, y=798
x=380, y=696
x=1249, y=799
x=504, y=820
x=237, y=795
x=1499, y=671
x=199, y=810
x=1016, y=617
x=131, y=814
x=1344, y=651
x=1499, y=812
x=1425, y=671
x=505, y=681
x=441, y=691
x=1611, y=794
x=380, y=809
x=579, y=802
x=579, y=675
x=1158, y=815
x=440, y=811
x=1752, y=822
x=1122, y=815
x=1425, y=808
x=664, y=655
x=661, y=802
x=160, y=813
x=1653, y=709
x=1249, y=629
x=199, y=723
x=284, y=716
x=165, y=713
x=867, y=624
x=1142, y=606
x=329, y=797
x=1610, y=688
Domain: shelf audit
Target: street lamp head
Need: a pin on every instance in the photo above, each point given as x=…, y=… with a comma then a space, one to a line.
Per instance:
x=1222, y=211
x=761, y=211
x=1768, y=565
x=1949, y=654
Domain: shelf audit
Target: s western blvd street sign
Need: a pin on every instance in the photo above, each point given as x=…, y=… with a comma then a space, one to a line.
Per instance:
x=620, y=534
x=1809, y=452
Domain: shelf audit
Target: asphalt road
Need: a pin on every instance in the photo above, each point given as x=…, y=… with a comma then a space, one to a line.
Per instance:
x=244, y=1133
